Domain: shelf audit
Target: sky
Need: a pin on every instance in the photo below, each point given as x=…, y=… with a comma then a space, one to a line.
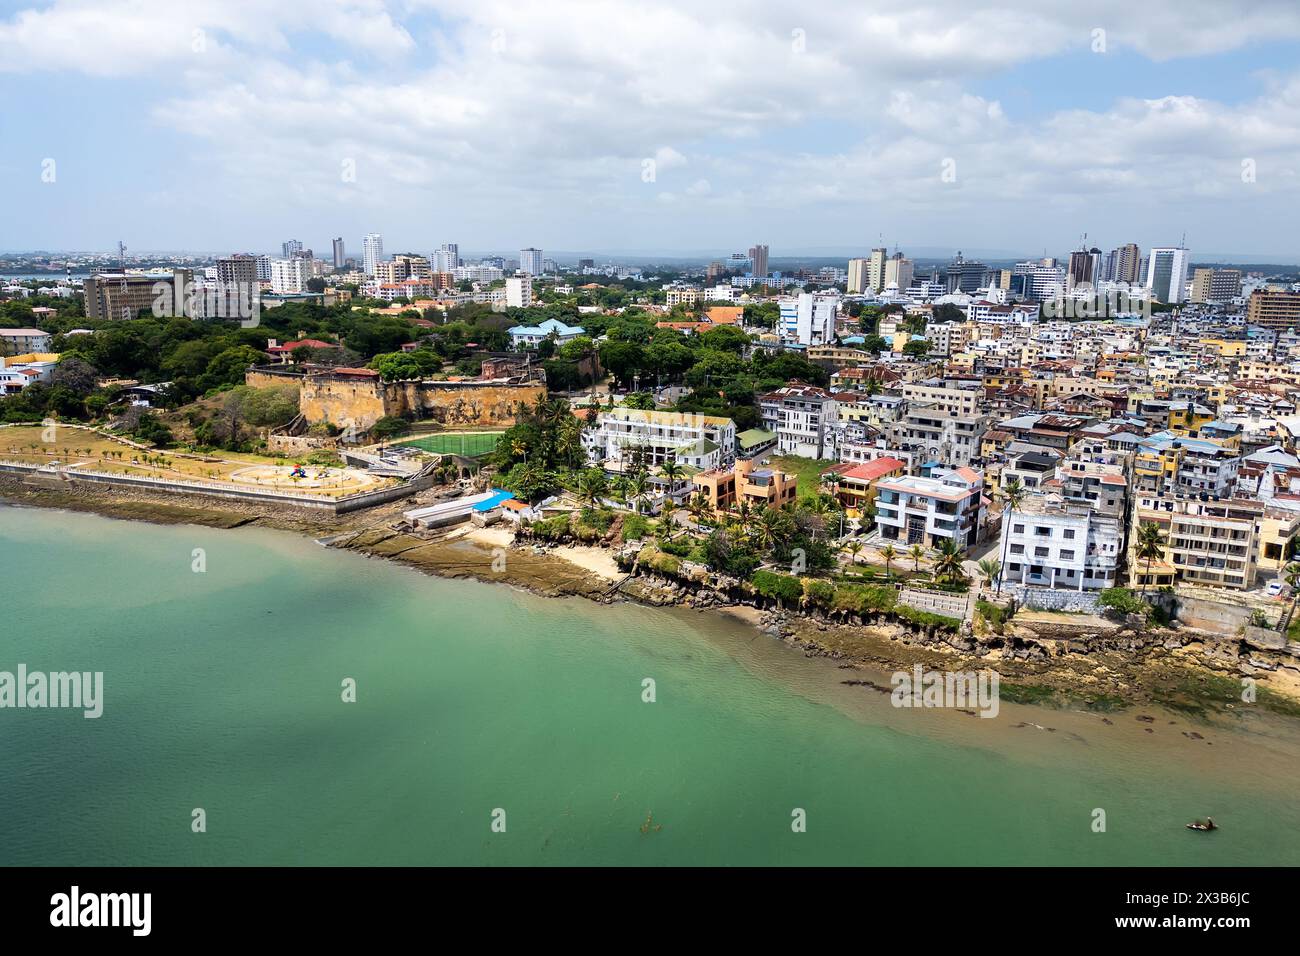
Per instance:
x=665, y=127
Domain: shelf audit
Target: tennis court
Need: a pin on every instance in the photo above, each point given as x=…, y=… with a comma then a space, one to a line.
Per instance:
x=468, y=444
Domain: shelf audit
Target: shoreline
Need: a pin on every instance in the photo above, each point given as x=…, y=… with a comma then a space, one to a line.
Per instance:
x=1101, y=682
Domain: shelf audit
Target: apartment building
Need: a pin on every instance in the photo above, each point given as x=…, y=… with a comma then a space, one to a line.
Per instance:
x=530, y=336
x=956, y=398
x=725, y=489
x=1216, y=285
x=802, y=416
x=856, y=486
x=1273, y=309
x=701, y=441
x=519, y=292
x=118, y=296
x=926, y=510
x=934, y=435
x=23, y=341
x=1166, y=463
x=1207, y=541
x=809, y=317
x=1053, y=542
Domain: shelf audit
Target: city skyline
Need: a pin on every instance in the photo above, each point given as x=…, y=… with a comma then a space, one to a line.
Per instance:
x=826, y=132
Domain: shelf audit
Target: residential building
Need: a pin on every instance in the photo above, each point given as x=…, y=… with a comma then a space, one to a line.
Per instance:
x=1273, y=309
x=530, y=336
x=703, y=441
x=926, y=510
x=758, y=260
x=372, y=252
x=119, y=296
x=1212, y=542
x=519, y=292
x=725, y=489
x=858, y=280
x=933, y=435
x=1216, y=285
x=802, y=417
x=530, y=261
x=340, y=253
x=20, y=341
x=809, y=317
x=1050, y=541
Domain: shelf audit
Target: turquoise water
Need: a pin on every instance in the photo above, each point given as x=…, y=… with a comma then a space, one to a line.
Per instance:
x=222, y=690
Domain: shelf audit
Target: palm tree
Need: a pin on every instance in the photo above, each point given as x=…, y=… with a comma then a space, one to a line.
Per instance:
x=637, y=486
x=1012, y=494
x=917, y=552
x=672, y=472
x=1292, y=574
x=854, y=548
x=989, y=569
x=947, y=564
x=592, y=486
x=1150, y=545
x=698, y=506
x=889, y=553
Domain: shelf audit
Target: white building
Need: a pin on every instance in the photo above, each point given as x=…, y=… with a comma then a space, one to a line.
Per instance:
x=519, y=292
x=372, y=251
x=803, y=418
x=809, y=317
x=1050, y=542
x=1167, y=274
x=289, y=275
x=700, y=441
x=530, y=261
x=927, y=510
x=529, y=336
x=447, y=258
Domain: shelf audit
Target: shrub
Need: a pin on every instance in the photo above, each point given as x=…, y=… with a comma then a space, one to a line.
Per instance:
x=783, y=587
x=635, y=527
x=820, y=593
x=555, y=528
x=1124, y=601
x=995, y=614
x=926, y=618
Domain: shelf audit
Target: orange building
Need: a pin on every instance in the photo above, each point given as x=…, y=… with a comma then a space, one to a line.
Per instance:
x=725, y=489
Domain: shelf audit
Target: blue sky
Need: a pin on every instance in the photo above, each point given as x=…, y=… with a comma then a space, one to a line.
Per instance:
x=655, y=128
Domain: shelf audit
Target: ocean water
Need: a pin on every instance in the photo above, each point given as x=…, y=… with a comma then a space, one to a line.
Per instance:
x=474, y=702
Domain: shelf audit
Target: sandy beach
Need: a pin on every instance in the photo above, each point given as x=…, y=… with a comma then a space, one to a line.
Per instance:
x=598, y=561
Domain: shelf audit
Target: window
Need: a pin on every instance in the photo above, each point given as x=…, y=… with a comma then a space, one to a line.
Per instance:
x=1067, y=555
x=1020, y=529
x=1069, y=534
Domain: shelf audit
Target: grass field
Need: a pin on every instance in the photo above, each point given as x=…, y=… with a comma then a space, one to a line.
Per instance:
x=469, y=444
x=807, y=470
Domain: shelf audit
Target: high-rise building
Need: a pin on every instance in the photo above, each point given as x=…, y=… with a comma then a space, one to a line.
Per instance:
x=1084, y=268
x=857, y=276
x=809, y=318
x=289, y=275
x=447, y=258
x=119, y=296
x=1128, y=264
x=1167, y=274
x=519, y=292
x=238, y=270
x=530, y=261
x=372, y=251
x=876, y=270
x=340, y=254
x=291, y=248
x=898, y=272
x=964, y=276
x=1216, y=285
x=1267, y=308
x=758, y=260
x=263, y=268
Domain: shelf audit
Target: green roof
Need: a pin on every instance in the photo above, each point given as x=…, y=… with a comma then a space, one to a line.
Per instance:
x=702, y=446
x=755, y=436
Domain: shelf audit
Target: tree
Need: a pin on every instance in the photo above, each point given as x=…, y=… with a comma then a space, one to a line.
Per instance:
x=1012, y=494
x=989, y=569
x=889, y=553
x=917, y=552
x=916, y=348
x=854, y=548
x=947, y=563
x=637, y=486
x=1149, y=546
x=592, y=486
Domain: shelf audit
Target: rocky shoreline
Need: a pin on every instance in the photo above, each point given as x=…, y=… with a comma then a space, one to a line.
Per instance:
x=1092, y=663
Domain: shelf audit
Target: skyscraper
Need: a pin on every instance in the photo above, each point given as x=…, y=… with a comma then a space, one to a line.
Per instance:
x=1128, y=264
x=372, y=250
x=898, y=272
x=1167, y=274
x=447, y=257
x=857, y=276
x=530, y=261
x=758, y=260
x=291, y=248
x=340, y=256
x=876, y=270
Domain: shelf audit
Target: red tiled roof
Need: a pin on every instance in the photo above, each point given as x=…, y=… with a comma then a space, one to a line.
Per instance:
x=871, y=470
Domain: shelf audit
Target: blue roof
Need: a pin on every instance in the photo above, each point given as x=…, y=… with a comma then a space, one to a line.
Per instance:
x=498, y=496
x=547, y=327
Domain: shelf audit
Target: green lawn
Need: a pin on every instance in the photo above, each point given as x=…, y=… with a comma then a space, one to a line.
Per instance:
x=808, y=471
x=469, y=444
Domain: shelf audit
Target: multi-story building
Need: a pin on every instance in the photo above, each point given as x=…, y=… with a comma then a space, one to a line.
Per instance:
x=530, y=336
x=926, y=510
x=758, y=260
x=956, y=398
x=1273, y=309
x=876, y=270
x=23, y=341
x=858, y=281
x=372, y=252
x=340, y=253
x=809, y=317
x=702, y=441
x=933, y=435
x=530, y=261
x=1216, y=285
x=519, y=292
x=119, y=296
x=1054, y=542
x=447, y=258
x=1208, y=541
x=1166, y=463
x=1128, y=264
x=288, y=275
x=725, y=489
x=802, y=416
x=1167, y=274
x=898, y=272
